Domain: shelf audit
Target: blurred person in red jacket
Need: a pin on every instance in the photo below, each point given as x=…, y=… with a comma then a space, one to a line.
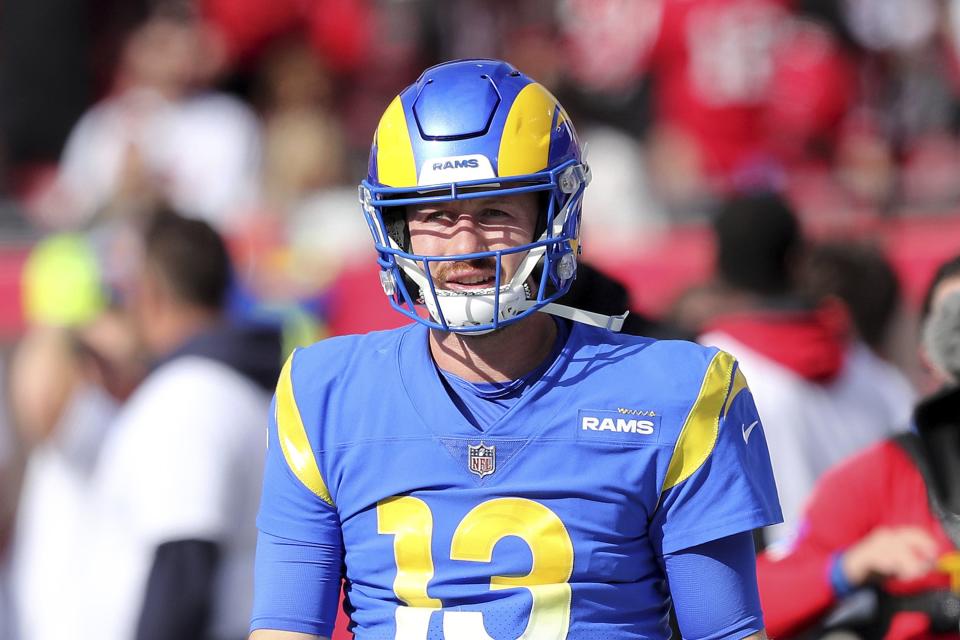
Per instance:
x=742, y=90
x=880, y=533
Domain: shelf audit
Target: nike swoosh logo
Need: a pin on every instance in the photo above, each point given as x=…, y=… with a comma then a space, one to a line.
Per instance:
x=748, y=430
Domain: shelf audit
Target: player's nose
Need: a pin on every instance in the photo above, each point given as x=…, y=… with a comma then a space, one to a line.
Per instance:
x=467, y=236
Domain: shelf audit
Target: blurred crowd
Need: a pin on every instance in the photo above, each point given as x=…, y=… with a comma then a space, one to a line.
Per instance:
x=178, y=186
x=848, y=105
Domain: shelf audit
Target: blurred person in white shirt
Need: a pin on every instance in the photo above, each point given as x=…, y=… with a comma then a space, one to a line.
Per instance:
x=161, y=135
x=177, y=485
x=822, y=394
x=67, y=376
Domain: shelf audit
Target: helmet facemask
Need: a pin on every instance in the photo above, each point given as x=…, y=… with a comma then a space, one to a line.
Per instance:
x=543, y=275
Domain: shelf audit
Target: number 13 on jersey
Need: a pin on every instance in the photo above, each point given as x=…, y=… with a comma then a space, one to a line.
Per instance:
x=410, y=521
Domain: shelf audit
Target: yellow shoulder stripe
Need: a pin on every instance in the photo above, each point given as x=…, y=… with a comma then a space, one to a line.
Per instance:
x=699, y=433
x=739, y=384
x=293, y=437
x=395, y=163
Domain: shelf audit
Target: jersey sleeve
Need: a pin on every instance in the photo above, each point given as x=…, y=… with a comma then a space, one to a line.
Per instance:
x=728, y=568
x=719, y=480
x=300, y=550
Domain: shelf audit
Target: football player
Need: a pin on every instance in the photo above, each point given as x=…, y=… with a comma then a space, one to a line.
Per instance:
x=504, y=466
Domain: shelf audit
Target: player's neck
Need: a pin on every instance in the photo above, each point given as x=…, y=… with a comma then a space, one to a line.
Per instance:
x=505, y=354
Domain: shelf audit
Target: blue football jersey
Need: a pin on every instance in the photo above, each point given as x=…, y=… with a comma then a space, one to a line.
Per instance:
x=549, y=523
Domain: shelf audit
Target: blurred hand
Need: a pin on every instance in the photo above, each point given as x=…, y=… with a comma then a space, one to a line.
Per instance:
x=44, y=373
x=135, y=180
x=904, y=553
x=110, y=353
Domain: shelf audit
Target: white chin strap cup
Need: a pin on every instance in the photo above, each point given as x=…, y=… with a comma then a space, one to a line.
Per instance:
x=470, y=309
x=465, y=310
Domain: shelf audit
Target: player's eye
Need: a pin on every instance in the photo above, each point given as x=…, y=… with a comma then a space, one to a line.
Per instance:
x=436, y=215
x=492, y=212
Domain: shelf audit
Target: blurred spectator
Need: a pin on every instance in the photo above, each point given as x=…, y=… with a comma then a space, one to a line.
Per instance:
x=161, y=135
x=622, y=211
x=303, y=146
x=366, y=46
x=62, y=409
x=522, y=32
x=865, y=162
x=67, y=376
x=713, y=64
x=821, y=396
x=885, y=520
x=308, y=228
x=812, y=87
x=608, y=42
x=902, y=144
x=861, y=277
x=175, y=490
x=884, y=25
x=339, y=31
x=759, y=247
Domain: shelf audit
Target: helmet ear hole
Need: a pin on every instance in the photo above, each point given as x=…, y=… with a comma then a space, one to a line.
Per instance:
x=543, y=204
x=395, y=220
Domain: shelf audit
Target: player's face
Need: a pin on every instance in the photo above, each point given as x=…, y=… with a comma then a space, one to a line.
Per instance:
x=472, y=226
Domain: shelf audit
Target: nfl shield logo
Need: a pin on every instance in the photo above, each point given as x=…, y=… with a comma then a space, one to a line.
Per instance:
x=483, y=459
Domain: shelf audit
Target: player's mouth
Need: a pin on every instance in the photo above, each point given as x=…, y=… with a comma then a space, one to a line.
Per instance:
x=468, y=276
x=469, y=280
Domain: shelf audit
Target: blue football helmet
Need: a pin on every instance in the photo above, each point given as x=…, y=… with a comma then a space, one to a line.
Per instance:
x=462, y=130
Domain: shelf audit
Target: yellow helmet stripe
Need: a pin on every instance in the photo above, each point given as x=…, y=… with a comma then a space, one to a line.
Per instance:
x=395, y=163
x=293, y=437
x=699, y=433
x=525, y=144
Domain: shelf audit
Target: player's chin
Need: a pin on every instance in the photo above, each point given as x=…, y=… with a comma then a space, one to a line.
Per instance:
x=485, y=335
x=479, y=336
